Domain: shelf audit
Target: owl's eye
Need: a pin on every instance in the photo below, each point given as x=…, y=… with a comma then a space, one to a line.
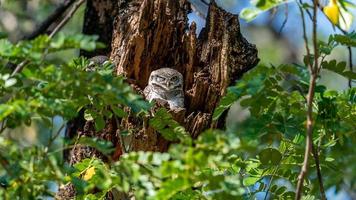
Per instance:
x=160, y=79
x=174, y=79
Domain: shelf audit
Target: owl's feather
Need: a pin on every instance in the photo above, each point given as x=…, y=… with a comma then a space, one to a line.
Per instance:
x=166, y=84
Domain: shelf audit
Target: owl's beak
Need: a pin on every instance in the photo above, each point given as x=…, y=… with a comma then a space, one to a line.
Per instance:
x=168, y=84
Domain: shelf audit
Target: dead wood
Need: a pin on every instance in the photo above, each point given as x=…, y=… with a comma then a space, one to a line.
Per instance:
x=152, y=34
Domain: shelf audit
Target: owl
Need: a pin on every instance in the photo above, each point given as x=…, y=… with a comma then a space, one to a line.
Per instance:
x=166, y=84
x=96, y=62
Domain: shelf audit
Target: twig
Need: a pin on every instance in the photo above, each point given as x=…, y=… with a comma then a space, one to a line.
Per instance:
x=19, y=67
x=315, y=40
x=318, y=171
x=69, y=15
x=309, y=14
x=306, y=10
x=316, y=152
x=3, y=126
x=52, y=18
x=297, y=87
x=61, y=24
x=204, y=2
x=5, y=163
x=321, y=62
x=350, y=63
x=52, y=139
x=310, y=121
x=305, y=34
x=122, y=143
x=309, y=135
x=285, y=20
x=273, y=174
x=66, y=18
x=348, y=47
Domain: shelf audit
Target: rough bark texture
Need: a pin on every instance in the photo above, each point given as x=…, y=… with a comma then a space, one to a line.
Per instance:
x=152, y=34
x=98, y=20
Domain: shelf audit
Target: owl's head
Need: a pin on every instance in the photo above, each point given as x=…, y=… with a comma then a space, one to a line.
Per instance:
x=167, y=79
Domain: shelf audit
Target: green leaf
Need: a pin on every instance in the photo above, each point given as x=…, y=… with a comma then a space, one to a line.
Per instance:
x=329, y=159
x=349, y=75
x=250, y=14
x=281, y=190
x=347, y=40
x=250, y=180
x=225, y=103
x=119, y=112
x=99, y=123
x=167, y=127
x=6, y=48
x=171, y=187
x=261, y=6
x=339, y=68
x=89, y=115
x=270, y=156
x=3, y=35
x=103, y=146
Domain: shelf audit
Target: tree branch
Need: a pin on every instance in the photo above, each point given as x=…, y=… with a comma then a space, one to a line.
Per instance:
x=52, y=18
x=350, y=64
x=53, y=138
x=6, y=164
x=64, y=21
x=285, y=20
x=19, y=67
x=305, y=33
x=66, y=18
x=204, y=2
x=122, y=142
x=318, y=171
x=310, y=121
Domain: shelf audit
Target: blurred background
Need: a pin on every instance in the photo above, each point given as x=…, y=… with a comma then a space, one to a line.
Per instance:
x=276, y=33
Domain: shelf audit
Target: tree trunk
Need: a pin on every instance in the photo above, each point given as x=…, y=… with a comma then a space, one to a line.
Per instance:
x=99, y=20
x=152, y=34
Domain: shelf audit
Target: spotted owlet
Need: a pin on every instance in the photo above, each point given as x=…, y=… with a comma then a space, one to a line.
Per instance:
x=96, y=62
x=166, y=84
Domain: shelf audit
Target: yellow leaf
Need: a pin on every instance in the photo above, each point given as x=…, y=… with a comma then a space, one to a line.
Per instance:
x=14, y=184
x=332, y=11
x=89, y=173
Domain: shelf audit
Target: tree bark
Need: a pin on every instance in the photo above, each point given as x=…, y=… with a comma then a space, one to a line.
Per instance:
x=99, y=20
x=152, y=34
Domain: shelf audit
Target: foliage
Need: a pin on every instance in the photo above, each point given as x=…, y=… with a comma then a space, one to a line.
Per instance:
x=337, y=11
x=170, y=129
x=260, y=6
x=260, y=156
